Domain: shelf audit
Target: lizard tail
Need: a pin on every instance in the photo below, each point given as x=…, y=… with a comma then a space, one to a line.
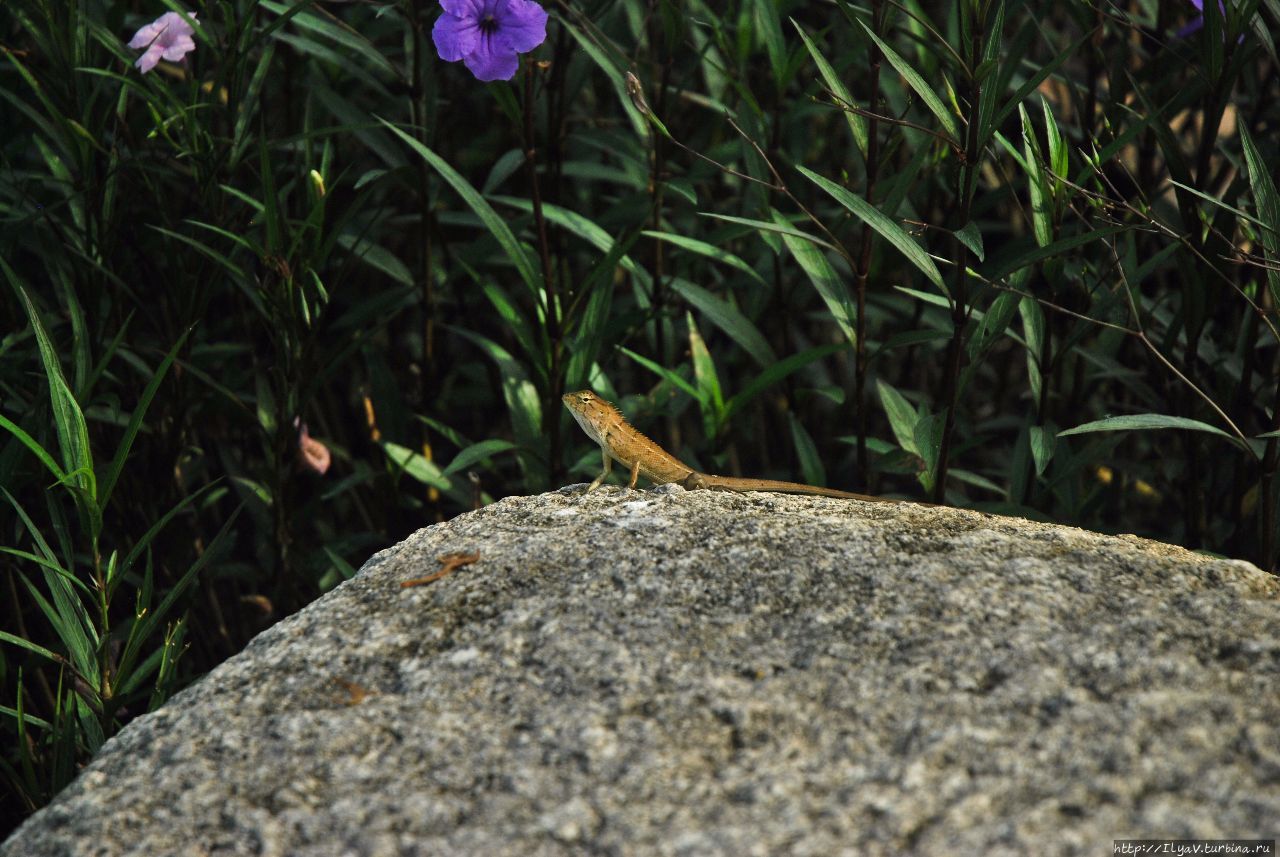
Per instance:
x=732, y=483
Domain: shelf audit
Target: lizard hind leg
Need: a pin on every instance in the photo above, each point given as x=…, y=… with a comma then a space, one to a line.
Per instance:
x=635, y=474
x=608, y=465
x=695, y=481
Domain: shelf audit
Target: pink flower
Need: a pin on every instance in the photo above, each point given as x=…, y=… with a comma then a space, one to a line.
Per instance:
x=313, y=454
x=167, y=37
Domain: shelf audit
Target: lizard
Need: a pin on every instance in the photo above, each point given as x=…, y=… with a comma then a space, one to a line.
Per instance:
x=621, y=441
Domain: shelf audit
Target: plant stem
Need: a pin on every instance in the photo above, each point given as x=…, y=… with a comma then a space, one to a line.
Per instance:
x=959, y=306
x=555, y=340
x=862, y=271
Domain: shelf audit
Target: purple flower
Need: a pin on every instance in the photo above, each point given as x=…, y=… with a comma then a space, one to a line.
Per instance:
x=168, y=36
x=1197, y=23
x=487, y=34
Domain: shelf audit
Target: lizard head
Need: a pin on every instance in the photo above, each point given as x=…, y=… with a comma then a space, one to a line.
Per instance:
x=588, y=409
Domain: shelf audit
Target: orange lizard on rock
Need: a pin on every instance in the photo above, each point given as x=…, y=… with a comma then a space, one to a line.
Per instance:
x=620, y=441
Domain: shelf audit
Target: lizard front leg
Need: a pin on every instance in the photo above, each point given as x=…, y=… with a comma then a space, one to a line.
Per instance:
x=608, y=465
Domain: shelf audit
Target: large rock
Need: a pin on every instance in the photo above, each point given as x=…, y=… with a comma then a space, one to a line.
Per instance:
x=670, y=672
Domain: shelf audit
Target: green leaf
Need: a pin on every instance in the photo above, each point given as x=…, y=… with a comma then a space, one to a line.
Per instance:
x=998, y=56
x=28, y=718
x=135, y=420
x=476, y=452
x=807, y=452
x=502, y=169
x=927, y=436
x=917, y=83
x=140, y=546
x=769, y=26
x=1058, y=151
x=1145, y=422
x=32, y=647
x=353, y=43
x=776, y=373
x=710, y=397
x=1042, y=443
x=205, y=250
x=930, y=298
x=902, y=416
x=30, y=443
x=67, y=616
x=527, y=335
x=673, y=378
x=857, y=123
x=377, y=257
x=73, y=434
x=520, y=396
x=727, y=317
x=781, y=227
x=48, y=564
x=1033, y=333
x=144, y=626
x=830, y=286
x=496, y=225
x=1268, y=202
x=970, y=478
x=872, y=216
x=611, y=71
x=584, y=228
x=970, y=236
x=993, y=324
x=1057, y=248
x=590, y=328
x=417, y=466
x=711, y=251
x=1037, y=183
x=1042, y=73
x=242, y=136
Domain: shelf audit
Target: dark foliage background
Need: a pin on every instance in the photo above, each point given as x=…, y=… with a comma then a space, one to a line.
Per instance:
x=1020, y=257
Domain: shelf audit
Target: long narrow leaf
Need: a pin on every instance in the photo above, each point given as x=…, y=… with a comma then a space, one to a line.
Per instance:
x=492, y=221
x=1268, y=202
x=673, y=378
x=711, y=251
x=146, y=625
x=30, y=443
x=1145, y=422
x=135, y=421
x=776, y=373
x=857, y=123
x=728, y=318
x=583, y=227
x=782, y=228
x=1057, y=248
x=807, y=451
x=830, y=286
x=873, y=217
x=917, y=83
x=73, y=433
x=50, y=565
x=32, y=647
x=476, y=452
